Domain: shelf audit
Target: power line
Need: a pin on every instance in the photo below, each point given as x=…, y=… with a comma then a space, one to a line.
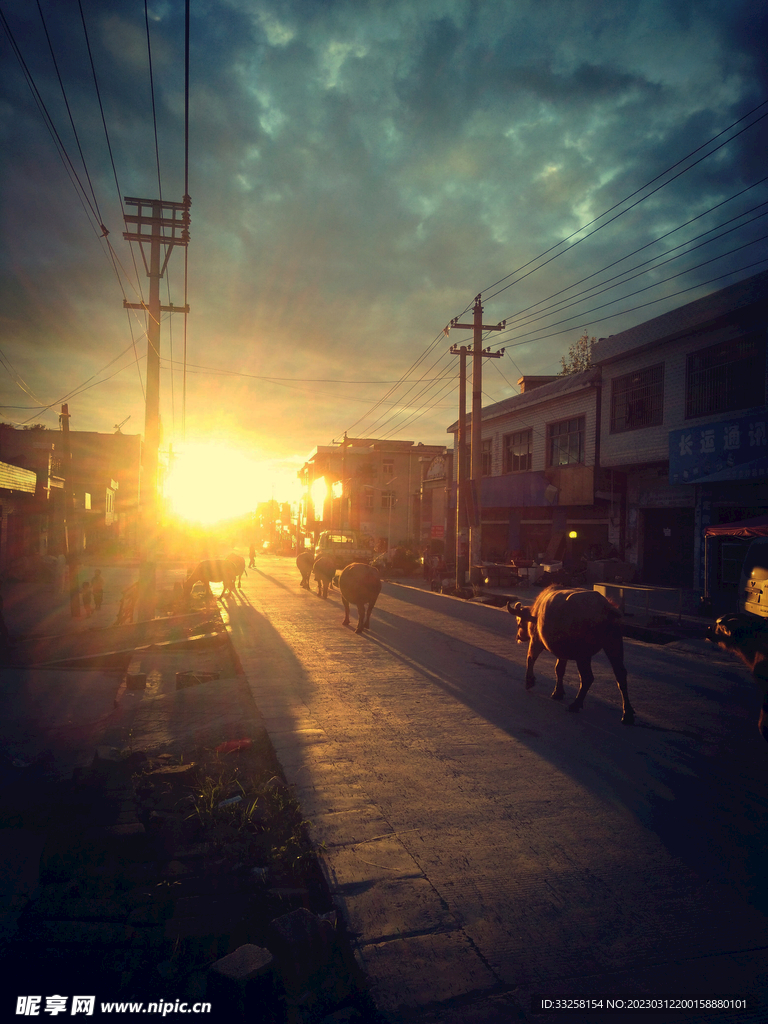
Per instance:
x=627, y=198
x=642, y=305
x=657, y=262
x=653, y=241
x=152, y=93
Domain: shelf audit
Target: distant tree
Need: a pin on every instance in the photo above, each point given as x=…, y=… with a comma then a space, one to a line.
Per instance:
x=579, y=356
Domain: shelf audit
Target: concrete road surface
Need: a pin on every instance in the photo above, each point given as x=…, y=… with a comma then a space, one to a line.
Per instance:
x=485, y=845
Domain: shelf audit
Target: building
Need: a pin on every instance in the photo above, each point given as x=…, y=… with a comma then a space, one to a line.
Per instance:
x=541, y=478
x=683, y=435
x=20, y=520
x=370, y=486
x=105, y=477
x=438, y=506
x=32, y=515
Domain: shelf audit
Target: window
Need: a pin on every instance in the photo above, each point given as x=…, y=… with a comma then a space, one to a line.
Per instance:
x=637, y=399
x=388, y=499
x=388, y=468
x=486, y=455
x=517, y=451
x=368, y=498
x=726, y=376
x=565, y=442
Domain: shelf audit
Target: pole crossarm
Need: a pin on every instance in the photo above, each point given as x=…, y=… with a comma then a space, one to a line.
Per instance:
x=163, y=309
x=161, y=229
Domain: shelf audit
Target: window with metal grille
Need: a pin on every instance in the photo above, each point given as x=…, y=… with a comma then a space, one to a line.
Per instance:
x=517, y=451
x=726, y=376
x=566, y=442
x=486, y=455
x=637, y=399
x=388, y=499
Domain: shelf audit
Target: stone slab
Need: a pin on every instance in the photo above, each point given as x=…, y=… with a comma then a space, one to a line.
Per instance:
x=391, y=909
x=414, y=972
x=348, y=867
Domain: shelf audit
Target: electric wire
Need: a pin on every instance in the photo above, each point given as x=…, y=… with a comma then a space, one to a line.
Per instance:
x=71, y=118
x=633, y=194
x=657, y=262
x=152, y=94
x=48, y=121
x=659, y=238
x=639, y=291
x=109, y=146
x=643, y=305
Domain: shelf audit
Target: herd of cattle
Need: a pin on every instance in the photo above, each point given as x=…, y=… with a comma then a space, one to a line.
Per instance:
x=571, y=623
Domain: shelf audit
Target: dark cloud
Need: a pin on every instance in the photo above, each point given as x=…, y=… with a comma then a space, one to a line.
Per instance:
x=358, y=173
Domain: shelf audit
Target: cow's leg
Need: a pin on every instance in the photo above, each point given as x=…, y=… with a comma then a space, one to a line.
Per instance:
x=360, y=618
x=614, y=652
x=560, y=665
x=370, y=609
x=346, y=611
x=586, y=677
x=535, y=647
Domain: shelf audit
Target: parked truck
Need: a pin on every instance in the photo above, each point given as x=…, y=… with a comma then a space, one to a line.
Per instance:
x=344, y=546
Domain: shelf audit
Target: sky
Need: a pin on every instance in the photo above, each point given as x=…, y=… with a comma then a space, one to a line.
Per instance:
x=359, y=171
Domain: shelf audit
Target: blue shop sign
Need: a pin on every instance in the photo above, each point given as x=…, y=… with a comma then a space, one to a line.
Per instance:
x=735, y=449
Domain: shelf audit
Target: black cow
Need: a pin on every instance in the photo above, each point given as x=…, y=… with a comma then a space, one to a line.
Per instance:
x=324, y=571
x=360, y=584
x=304, y=563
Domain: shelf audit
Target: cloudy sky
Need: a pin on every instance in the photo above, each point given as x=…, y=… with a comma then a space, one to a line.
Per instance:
x=360, y=170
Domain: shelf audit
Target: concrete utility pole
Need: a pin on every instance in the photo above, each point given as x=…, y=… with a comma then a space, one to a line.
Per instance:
x=478, y=354
x=462, y=562
x=71, y=536
x=159, y=224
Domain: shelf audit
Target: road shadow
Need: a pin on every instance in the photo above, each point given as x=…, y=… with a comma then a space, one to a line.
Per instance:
x=692, y=769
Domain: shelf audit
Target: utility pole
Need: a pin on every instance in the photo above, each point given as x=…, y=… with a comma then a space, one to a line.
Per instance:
x=478, y=354
x=160, y=225
x=71, y=536
x=461, y=470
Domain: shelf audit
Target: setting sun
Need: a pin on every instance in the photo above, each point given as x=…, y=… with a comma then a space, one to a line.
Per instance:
x=207, y=483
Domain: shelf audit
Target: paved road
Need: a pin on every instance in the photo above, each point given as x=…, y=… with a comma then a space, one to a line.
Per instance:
x=485, y=844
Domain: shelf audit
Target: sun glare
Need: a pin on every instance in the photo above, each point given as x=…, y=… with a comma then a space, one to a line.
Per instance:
x=209, y=483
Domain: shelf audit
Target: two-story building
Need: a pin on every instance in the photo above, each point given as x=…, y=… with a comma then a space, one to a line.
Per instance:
x=367, y=485
x=541, y=481
x=684, y=432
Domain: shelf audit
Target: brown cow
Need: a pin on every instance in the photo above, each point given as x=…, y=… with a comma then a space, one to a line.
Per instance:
x=304, y=563
x=212, y=570
x=746, y=636
x=324, y=570
x=239, y=564
x=573, y=624
x=360, y=584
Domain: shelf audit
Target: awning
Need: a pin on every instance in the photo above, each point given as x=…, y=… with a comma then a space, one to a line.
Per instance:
x=757, y=527
x=14, y=478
